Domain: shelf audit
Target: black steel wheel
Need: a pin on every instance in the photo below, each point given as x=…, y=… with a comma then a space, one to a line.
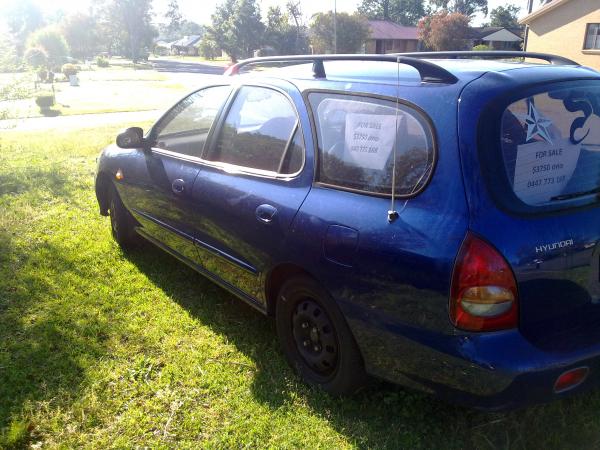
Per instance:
x=122, y=224
x=316, y=339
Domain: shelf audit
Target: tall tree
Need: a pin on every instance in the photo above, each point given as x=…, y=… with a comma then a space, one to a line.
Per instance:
x=81, y=33
x=444, y=31
x=352, y=32
x=237, y=28
x=23, y=17
x=174, y=16
x=127, y=28
x=404, y=12
x=505, y=16
x=466, y=7
x=295, y=12
x=282, y=35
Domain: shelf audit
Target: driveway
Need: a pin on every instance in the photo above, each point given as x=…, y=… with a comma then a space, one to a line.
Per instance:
x=168, y=65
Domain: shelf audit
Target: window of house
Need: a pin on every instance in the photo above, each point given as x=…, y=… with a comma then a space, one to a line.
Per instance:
x=261, y=132
x=360, y=137
x=185, y=127
x=592, y=37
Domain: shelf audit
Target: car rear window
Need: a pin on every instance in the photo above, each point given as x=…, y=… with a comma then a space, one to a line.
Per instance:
x=550, y=145
x=359, y=137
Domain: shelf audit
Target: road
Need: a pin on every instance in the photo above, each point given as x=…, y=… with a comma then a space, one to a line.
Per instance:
x=168, y=65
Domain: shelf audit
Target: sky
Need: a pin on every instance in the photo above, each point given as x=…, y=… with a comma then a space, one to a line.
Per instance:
x=201, y=10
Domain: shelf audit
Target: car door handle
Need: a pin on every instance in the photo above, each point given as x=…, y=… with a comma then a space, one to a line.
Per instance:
x=178, y=186
x=266, y=213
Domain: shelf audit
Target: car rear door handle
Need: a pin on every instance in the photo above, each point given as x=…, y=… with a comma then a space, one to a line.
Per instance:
x=178, y=186
x=266, y=213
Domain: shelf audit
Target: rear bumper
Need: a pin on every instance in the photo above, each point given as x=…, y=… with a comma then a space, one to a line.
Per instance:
x=499, y=370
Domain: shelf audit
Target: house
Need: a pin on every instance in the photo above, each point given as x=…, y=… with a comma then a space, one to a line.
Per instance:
x=569, y=28
x=389, y=37
x=187, y=45
x=497, y=38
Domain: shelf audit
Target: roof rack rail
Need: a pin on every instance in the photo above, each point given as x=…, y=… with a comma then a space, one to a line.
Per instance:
x=428, y=71
x=552, y=59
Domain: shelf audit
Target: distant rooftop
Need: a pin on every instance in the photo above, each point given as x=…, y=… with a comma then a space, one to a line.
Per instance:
x=384, y=29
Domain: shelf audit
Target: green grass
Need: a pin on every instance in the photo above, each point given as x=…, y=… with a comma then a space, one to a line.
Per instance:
x=101, y=349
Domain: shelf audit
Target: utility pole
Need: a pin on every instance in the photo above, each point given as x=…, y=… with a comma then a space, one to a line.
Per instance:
x=334, y=26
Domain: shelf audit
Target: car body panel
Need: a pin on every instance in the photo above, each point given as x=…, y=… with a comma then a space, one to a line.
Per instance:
x=392, y=279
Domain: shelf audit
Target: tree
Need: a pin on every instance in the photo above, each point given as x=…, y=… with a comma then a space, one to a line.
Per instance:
x=188, y=28
x=36, y=57
x=466, y=7
x=281, y=35
x=237, y=28
x=404, y=12
x=126, y=27
x=52, y=42
x=295, y=12
x=352, y=32
x=208, y=48
x=505, y=16
x=174, y=16
x=22, y=19
x=80, y=31
x=444, y=31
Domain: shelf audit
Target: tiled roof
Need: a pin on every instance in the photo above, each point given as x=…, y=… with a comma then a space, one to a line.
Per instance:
x=384, y=29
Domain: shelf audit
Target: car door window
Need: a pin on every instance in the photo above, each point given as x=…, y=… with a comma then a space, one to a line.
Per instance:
x=359, y=150
x=185, y=128
x=260, y=132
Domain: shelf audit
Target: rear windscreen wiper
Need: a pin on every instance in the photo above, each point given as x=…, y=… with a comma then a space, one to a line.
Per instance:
x=575, y=194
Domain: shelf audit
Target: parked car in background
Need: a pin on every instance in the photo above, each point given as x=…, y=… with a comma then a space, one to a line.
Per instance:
x=429, y=219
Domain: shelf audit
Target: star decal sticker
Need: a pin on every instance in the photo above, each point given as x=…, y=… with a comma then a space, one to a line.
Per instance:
x=537, y=125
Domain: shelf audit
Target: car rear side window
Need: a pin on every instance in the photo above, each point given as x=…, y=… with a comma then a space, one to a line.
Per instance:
x=550, y=145
x=359, y=138
x=185, y=128
x=261, y=132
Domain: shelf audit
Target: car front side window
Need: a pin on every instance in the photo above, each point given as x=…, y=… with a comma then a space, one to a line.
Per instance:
x=185, y=127
x=260, y=132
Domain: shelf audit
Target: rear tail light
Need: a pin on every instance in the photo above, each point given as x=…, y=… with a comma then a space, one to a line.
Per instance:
x=571, y=379
x=484, y=291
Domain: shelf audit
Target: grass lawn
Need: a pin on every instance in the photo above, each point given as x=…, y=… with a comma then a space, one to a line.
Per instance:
x=102, y=349
x=103, y=90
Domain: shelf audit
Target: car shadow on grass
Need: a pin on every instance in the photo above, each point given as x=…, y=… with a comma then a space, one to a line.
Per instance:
x=381, y=415
x=40, y=344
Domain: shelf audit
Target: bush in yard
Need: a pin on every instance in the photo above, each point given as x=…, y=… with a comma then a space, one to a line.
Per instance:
x=45, y=100
x=53, y=43
x=69, y=69
x=482, y=48
x=102, y=61
x=36, y=57
x=208, y=48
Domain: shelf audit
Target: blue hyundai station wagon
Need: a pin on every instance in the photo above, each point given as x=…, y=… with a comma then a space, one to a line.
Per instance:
x=431, y=219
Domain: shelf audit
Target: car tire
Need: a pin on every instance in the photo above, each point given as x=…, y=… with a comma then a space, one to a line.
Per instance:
x=122, y=224
x=316, y=339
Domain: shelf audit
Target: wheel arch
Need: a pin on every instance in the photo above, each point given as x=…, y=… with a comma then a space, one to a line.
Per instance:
x=103, y=184
x=275, y=279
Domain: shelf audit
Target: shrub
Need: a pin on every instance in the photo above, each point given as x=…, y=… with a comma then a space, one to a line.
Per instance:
x=53, y=43
x=69, y=69
x=482, y=48
x=36, y=57
x=101, y=61
x=209, y=48
x=45, y=100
